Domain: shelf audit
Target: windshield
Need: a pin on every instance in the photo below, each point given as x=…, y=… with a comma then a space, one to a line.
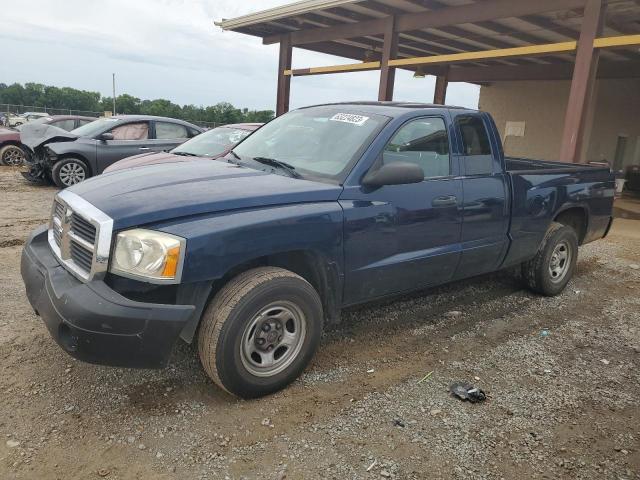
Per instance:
x=212, y=143
x=96, y=127
x=322, y=141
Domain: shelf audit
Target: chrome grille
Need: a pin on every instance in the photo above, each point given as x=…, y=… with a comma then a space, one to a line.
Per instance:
x=80, y=235
x=83, y=228
x=81, y=256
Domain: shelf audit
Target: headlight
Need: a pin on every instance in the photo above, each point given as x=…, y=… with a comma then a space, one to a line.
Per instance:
x=148, y=255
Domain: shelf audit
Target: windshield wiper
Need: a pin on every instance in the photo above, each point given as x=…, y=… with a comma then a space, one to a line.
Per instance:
x=185, y=154
x=277, y=163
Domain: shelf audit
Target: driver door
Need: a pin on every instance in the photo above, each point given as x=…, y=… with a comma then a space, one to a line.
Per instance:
x=404, y=237
x=128, y=139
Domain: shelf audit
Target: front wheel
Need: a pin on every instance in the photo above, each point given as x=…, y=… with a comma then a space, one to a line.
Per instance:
x=260, y=331
x=69, y=171
x=551, y=269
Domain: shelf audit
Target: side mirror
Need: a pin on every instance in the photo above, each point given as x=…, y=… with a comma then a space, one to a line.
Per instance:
x=395, y=173
x=103, y=137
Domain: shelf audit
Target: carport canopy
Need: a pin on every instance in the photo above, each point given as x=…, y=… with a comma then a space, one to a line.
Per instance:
x=479, y=41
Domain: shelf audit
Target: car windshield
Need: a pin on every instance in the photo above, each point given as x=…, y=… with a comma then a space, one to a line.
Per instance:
x=318, y=142
x=212, y=143
x=96, y=127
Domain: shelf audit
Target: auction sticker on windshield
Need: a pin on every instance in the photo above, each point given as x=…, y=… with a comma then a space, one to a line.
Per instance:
x=349, y=118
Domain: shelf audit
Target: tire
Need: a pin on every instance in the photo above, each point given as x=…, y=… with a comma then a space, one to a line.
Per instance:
x=12, y=156
x=232, y=330
x=553, y=266
x=69, y=171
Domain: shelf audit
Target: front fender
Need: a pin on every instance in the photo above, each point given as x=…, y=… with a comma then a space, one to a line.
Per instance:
x=218, y=243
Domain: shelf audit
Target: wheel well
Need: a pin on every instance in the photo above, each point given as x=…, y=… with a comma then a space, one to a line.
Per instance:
x=314, y=268
x=576, y=218
x=11, y=142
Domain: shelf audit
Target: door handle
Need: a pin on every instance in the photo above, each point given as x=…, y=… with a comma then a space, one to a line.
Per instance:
x=445, y=201
x=144, y=148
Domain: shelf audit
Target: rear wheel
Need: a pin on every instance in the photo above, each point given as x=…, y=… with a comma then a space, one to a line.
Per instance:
x=551, y=269
x=260, y=331
x=69, y=171
x=12, y=156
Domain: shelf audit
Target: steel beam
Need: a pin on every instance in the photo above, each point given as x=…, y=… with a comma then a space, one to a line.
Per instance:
x=440, y=93
x=433, y=61
x=389, y=52
x=284, y=81
x=582, y=82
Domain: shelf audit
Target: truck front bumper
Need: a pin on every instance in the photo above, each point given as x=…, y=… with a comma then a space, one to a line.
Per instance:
x=92, y=322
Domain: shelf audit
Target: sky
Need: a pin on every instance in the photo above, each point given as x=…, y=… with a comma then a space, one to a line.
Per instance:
x=171, y=49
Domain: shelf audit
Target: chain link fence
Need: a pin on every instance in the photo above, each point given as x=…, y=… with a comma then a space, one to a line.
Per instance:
x=20, y=109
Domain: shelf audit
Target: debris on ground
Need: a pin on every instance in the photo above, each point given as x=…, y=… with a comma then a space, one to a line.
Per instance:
x=398, y=423
x=425, y=377
x=373, y=464
x=467, y=391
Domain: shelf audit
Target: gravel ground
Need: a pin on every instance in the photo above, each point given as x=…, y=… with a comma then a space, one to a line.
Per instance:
x=561, y=377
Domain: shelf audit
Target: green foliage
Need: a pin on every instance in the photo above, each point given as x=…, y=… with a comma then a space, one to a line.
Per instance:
x=38, y=95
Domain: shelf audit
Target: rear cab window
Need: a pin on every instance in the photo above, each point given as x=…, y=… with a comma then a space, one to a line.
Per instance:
x=477, y=154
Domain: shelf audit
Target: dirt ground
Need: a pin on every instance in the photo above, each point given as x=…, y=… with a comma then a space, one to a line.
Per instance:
x=561, y=374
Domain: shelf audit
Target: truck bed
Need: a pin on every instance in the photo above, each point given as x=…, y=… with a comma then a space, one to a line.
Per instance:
x=542, y=190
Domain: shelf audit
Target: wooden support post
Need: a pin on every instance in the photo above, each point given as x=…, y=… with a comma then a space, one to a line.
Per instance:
x=284, y=81
x=389, y=52
x=440, y=93
x=582, y=82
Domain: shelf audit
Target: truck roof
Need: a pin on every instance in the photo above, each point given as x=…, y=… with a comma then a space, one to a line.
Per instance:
x=392, y=108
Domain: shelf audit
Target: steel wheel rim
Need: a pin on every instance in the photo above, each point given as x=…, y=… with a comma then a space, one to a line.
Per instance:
x=559, y=262
x=267, y=351
x=72, y=173
x=13, y=157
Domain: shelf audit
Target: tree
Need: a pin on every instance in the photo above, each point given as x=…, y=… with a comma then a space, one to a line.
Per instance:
x=66, y=98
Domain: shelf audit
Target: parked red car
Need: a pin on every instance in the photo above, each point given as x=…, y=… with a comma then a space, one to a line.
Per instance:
x=214, y=143
x=12, y=152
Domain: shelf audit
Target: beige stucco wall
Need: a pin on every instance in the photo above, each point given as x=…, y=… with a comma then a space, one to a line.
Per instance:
x=542, y=104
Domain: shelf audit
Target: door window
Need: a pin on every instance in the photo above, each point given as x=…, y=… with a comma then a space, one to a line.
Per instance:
x=131, y=131
x=423, y=142
x=170, y=131
x=475, y=141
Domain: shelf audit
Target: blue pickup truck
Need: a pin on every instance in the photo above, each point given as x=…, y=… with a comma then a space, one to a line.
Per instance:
x=323, y=208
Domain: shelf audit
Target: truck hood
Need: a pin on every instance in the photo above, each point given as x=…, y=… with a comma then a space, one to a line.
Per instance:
x=154, y=193
x=34, y=135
